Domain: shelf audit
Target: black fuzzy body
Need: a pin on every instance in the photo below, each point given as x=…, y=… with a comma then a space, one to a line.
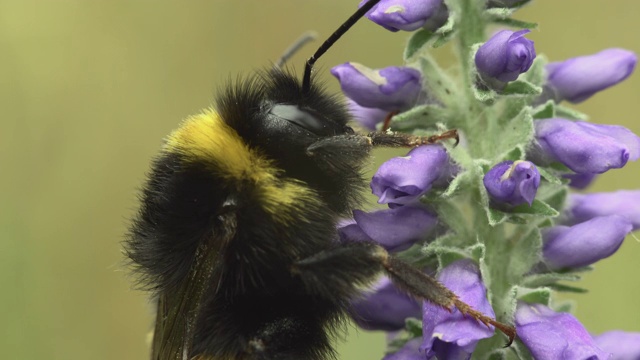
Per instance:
x=204, y=245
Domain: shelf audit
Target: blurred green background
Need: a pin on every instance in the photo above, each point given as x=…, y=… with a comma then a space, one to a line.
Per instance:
x=89, y=88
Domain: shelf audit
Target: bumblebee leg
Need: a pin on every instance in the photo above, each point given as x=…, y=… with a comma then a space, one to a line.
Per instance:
x=342, y=270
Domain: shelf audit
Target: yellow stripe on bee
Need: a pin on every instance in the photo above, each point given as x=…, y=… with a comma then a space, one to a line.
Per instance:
x=205, y=138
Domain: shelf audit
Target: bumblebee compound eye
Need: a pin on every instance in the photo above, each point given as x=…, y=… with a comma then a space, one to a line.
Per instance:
x=307, y=119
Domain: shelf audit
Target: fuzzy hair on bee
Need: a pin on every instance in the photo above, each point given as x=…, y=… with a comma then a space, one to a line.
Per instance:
x=236, y=232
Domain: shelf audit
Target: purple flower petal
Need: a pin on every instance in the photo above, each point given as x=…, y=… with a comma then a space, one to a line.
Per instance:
x=552, y=335
x=402, y=180
x=623, y=345
x=407, y=15
x=584, y=147
x=513, y=183
x=448, y=335
x=392, y=89
x=410, y=351
x=583, y=207
x=585, y=243
x=385, y=308
x=577, y=79
x=395, y=229
x=580, y=181
x=505, y=56
x=367, y=117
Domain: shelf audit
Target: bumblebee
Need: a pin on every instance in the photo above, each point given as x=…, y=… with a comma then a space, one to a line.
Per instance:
x=236, y=234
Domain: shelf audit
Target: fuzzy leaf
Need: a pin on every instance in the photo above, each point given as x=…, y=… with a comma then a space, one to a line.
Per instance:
x=443, y=39
x=498, y=354
x=538, y=296
x=420, y=117
x=439, y=84
x=547, y=175
x=537, y=74
x=448, y=27
x=477, y=252
x=516, y=220
x=417, y=42
x=567, y=288
x=556, y=199
x=515, y=154
x=521, y=131
x=484, y=94
x=516, y=23
x=453, y=218
x=413, y=327
x=545, y=111
x=567, y=306
x=569, y=113
x=537, y=208
x=525, y=253
x=496, y=217
x=537, y=280
x=446, y=254
x=460, y=181
x=521, y=88
x=498, y=13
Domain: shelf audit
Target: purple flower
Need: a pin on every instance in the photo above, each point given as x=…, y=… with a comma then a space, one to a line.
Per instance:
x=584, y=147
x=623, y=345
x=395, y=229
x=577, y=79
x=513, y=183
x=410, y=351
x=505, y=56
x=392, y=89
x=585, y=243
x=451, y=335
x=385, y=308
x=580, y=181
x=583, y=207
x=402, y=180
x=552, y=335
x=367, y=117
x=407, y=15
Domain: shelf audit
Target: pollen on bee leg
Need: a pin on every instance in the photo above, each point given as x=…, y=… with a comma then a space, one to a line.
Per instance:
x=449, y=134
x=394, y=139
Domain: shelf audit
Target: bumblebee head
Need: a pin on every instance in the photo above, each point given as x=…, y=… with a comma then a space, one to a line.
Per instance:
x=274, y=116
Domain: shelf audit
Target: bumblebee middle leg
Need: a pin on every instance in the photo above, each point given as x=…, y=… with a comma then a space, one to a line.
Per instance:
x=341, y=271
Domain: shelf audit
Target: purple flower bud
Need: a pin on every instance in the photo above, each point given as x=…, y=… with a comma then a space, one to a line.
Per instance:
x=623, y=345
x=513, y=183
x=367, y=117
x=410, y=351
x=552, y=335
x=392, y=89
x=448, y=335
x=585, y=243
x=407, y=15
x=579, y=78
x=583, y=207
x=402, y=180
x=395, y=229
x=585, y=147
x=580, y=181
x=385, y=308
x=505, y=56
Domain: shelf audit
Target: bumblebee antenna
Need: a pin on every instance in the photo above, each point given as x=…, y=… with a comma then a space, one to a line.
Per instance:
x=297, y=45
x=306, y=79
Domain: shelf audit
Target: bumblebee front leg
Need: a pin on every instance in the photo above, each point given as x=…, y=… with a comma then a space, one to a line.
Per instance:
x=341, y=271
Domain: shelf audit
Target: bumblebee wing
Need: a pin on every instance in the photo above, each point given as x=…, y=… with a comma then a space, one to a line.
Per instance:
x=178, y=311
